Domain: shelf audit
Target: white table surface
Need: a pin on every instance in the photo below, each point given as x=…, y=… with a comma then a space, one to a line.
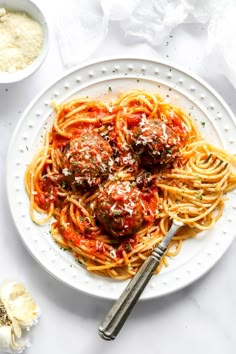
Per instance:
x=198, y=319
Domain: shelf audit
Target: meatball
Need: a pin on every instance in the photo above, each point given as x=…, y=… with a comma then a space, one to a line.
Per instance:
x=119, y=209
x=87, y=159
x=154, y=143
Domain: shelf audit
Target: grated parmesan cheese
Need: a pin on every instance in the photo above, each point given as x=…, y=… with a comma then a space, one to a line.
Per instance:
x=66, y=172
x=21, y=40
x=113, y=253
x=165, y=136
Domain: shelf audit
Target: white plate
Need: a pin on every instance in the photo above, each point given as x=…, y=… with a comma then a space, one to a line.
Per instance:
x=196, y=97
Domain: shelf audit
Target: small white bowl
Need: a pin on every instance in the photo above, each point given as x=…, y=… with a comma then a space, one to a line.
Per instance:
x=33, y=11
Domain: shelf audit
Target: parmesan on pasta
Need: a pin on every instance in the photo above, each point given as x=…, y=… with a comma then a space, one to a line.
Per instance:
x=114, y=175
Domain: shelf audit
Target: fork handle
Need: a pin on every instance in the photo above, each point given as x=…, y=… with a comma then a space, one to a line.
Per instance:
x=116, y=317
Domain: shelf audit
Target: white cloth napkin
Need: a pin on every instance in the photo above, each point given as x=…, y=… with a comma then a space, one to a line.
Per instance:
x=80, y=28
x=82, y=25
x=222, y=39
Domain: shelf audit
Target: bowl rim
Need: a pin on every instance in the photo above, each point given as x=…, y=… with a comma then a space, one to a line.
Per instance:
x=20, y=75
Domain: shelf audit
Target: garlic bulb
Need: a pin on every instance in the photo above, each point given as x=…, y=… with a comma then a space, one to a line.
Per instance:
x=18, y=312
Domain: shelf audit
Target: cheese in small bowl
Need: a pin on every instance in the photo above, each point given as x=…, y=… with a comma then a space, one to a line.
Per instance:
x=23, y=40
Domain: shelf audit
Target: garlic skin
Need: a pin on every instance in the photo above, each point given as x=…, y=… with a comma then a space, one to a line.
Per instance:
x=8, y=342
x=18, y=311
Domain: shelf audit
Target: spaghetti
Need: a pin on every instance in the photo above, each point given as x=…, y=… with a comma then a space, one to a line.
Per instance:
x=113, y=174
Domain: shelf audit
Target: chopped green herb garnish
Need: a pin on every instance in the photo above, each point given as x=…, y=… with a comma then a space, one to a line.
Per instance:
x=63, y=184
x=67, y=147
x=208, y=158
x=199, y=196
x=63, y=249
x=203, y=124
x=128, y=247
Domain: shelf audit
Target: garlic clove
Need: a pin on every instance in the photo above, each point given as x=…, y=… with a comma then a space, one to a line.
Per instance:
x=8, y=343
x=18, y=346
x=9, y=290
x=5, y=338
x=24, y=310
x=16, y=329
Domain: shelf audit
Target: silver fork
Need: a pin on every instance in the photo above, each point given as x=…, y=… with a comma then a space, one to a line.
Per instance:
x=116, y=317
